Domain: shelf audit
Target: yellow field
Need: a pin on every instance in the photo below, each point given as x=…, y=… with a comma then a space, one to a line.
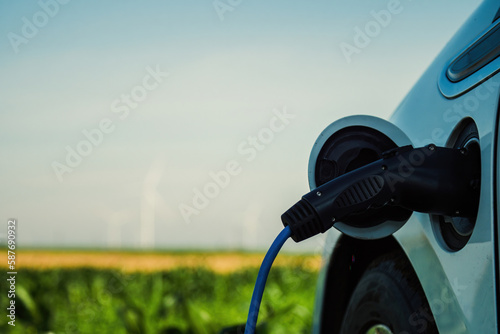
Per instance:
x=220, y=262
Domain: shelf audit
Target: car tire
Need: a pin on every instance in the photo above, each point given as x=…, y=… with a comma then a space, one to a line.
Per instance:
x=388, y=299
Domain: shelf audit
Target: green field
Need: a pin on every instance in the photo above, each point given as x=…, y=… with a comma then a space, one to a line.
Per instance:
x=180, y=300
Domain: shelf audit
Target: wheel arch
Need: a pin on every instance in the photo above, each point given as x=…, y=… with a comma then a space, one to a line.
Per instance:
x=348, y=261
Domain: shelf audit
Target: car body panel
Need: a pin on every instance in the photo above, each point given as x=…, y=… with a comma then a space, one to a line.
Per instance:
x=459, y=285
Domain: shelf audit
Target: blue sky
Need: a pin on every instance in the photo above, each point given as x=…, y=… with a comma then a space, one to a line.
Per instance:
x=227, y=81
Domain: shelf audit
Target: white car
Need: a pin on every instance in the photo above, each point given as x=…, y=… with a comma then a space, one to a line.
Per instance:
x=435, y=273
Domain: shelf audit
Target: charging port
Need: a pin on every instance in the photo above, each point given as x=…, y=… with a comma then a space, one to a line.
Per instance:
x=455, y=232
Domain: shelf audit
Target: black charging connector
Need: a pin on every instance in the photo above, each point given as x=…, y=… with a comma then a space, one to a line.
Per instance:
x=429, y=179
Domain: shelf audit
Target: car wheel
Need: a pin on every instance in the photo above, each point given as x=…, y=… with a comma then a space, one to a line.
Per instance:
x=388, y=300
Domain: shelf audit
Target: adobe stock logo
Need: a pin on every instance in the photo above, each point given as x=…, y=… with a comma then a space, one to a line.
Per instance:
x=31, y=27
x=249, y=150
x=122, y=106
x=372, y=29
x=223, y=6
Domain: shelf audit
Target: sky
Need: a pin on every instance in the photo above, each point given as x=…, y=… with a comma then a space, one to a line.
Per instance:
x=181, y=125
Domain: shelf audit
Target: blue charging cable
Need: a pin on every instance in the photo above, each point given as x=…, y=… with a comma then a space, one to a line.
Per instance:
x=265, y=267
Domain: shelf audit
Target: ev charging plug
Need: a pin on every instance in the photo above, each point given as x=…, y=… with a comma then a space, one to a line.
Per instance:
x=430, y=179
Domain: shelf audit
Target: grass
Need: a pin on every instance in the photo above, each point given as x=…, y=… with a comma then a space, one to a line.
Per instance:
x=196, y=297
x=220, y=262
